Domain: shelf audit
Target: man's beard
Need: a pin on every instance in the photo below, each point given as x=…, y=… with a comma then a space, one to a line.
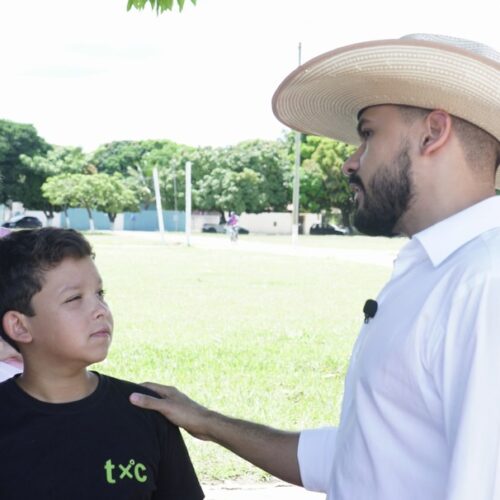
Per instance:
x=388, y=197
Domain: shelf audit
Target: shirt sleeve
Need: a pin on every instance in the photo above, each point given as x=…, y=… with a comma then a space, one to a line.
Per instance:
x=315, y=455
x=466, y=370
x=176, y=476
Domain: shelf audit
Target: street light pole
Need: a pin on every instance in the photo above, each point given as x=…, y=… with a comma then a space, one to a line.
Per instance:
x=296, y=181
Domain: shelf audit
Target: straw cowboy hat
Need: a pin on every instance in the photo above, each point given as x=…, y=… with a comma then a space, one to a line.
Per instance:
x=325, y=95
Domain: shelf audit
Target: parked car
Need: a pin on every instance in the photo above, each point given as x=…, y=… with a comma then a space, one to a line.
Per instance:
x=23, y=221
x=220, y=228
x=326, y=229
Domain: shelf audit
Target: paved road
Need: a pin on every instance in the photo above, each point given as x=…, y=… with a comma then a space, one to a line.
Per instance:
x=380, y=257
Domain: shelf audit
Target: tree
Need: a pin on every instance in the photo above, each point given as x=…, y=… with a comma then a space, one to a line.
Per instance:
x=270, y=160
x=113, y=195
x=18, y=182
x=108, y=193
x=56, y=161
x=170, y=160
x=120, y=156
x=59, y=191
x=323, y=184
x=252, y=176
x=158, y=5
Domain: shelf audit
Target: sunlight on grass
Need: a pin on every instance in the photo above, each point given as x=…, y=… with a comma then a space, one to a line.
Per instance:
x=262, y=337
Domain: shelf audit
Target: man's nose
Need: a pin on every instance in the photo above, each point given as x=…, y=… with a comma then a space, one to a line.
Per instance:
x=351, y=165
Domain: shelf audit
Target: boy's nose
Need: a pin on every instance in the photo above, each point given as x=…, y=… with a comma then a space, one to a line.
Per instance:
x=101, y=309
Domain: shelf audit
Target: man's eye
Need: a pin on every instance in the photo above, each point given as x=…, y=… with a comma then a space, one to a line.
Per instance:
x=101, y=293
x=366, y=133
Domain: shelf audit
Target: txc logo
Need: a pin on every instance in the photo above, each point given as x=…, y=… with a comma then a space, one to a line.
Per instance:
x=131, y=470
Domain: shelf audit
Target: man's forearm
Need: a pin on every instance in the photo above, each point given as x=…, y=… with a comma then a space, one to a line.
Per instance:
x=270, y=449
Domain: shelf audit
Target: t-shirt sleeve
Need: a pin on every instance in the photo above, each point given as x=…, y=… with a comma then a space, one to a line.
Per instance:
x=176, y=476
x=315, y=454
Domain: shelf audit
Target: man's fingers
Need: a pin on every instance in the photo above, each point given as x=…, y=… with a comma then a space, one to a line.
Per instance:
x=163, y=390
x=147, y=402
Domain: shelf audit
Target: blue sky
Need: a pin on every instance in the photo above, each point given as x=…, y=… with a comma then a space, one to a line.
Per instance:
x=87, y=72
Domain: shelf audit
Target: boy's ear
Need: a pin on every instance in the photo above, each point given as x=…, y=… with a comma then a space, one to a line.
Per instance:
x=14, y=326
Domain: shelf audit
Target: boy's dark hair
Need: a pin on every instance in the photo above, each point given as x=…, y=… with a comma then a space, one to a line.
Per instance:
x=25, y=257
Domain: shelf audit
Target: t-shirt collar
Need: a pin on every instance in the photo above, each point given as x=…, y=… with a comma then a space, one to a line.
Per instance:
x=445, y=237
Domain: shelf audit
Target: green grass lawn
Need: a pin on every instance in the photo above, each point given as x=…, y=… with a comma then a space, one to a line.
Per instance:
x=262, y=337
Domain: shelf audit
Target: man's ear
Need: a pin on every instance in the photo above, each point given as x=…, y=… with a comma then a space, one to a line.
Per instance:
x=437, y=131
x=14, y=325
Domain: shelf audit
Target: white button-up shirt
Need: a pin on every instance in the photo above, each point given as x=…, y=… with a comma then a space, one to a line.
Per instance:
x=421, y=411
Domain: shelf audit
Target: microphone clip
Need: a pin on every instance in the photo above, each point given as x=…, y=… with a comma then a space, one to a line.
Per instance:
x=370, y=309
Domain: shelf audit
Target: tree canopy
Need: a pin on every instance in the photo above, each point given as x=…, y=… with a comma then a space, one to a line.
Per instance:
x=323, y=184
x=158, y=5
x=17, y=180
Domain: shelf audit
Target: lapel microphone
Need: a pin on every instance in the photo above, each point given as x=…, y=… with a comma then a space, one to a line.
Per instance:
x=370, y=309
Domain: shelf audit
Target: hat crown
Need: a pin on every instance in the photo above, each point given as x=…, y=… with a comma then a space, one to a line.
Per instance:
x=476, y=48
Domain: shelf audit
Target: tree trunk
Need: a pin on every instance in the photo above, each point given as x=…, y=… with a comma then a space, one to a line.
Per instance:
x=112, y=219
x=91, y=220
x=66, y=218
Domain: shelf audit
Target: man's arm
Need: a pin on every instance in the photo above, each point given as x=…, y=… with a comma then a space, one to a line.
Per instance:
x=270, y=449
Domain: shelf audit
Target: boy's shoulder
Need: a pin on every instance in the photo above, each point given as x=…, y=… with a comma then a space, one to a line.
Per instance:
x=120, y=390
x=124, y=386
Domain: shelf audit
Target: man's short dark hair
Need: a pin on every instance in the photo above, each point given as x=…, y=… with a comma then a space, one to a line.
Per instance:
x=25, y=257
x=480, y=148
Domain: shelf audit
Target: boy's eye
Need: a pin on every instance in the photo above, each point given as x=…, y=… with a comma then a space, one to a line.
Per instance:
x=101, y=293
x=72, y=299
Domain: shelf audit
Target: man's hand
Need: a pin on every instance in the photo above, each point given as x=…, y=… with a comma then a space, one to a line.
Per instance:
x=177, y=407
x=270, y=449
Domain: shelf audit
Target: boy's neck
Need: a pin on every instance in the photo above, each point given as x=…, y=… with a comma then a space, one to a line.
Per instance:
x=52, y=387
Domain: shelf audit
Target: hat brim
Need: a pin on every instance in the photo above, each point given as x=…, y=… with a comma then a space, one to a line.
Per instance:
x=325, y=95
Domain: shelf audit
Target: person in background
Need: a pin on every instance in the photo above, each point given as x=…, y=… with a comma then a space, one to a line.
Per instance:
x=11, y=361
x=232, y=226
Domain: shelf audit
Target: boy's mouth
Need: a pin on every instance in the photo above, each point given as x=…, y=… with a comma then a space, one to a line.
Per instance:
x=102, y=333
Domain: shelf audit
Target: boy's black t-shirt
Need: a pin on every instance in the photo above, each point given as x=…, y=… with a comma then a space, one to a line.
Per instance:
x=101, y=447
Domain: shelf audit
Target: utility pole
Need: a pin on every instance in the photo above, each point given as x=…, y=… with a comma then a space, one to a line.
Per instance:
x=296, y=181
x=188, y=204
x=159, y=211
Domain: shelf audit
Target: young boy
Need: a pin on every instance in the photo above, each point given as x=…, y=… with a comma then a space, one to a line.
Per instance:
x=66, y=432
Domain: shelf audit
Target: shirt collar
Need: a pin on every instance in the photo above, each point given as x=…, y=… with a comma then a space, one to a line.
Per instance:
x=443, y=238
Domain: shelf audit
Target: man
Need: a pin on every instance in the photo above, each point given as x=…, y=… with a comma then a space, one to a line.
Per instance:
x=421, y=410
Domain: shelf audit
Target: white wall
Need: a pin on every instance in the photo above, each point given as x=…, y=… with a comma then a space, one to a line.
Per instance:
x=197, y=221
